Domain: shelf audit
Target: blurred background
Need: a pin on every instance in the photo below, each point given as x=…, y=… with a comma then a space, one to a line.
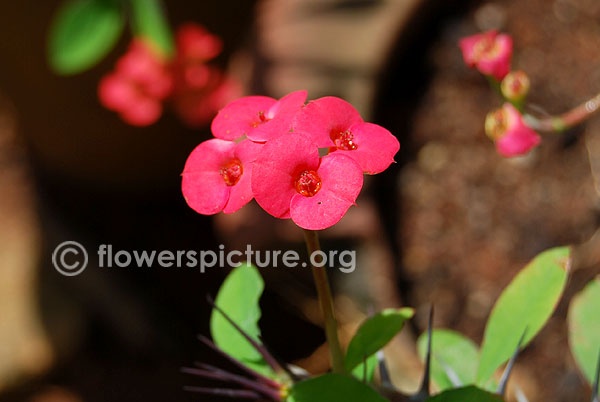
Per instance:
x=448, y=225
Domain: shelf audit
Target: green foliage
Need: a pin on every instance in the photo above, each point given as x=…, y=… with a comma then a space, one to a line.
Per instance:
x=453, y=352
x=238, y=298
x=374, y=334
x=465, y=394
x=371, y=365
x=149, y=21
x=584, y=329
x=524, y=306
x=333, y=387
x=82, y=33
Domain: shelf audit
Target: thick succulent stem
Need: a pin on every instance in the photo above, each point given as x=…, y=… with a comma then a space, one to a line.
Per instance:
x=326, y=302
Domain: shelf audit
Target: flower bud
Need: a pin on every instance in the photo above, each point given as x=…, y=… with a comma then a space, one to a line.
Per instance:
x=515, y=86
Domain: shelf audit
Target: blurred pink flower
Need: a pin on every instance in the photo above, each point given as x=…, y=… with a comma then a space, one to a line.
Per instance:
x=194, y=42
x=200, y=89
x=217, y=174
x=490, y=52
x=137, y=86
x=289, y=180
x=197, y=104
x=512, y=136
x=260, y=118
x=334, y=123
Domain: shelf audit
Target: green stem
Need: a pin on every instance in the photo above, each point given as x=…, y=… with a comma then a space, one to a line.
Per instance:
x=557, y=124
x=311, y=238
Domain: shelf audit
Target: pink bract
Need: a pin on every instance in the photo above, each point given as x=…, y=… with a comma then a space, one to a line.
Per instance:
x=290, y=180
x=260, y=118
x=334, y=123
x=135, y=89
x=490, y=52
x=511, y=135
x=194, y=42
x=217, y=176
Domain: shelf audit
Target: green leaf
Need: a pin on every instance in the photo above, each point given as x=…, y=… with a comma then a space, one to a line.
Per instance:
x=333, y=387
x=82, y=33
x=465, y=394
x=525, y=305
x=150, y=22
x=359, y=371
x=450, y=351
x=238, y=298
x=584, y=328
x=374, y=334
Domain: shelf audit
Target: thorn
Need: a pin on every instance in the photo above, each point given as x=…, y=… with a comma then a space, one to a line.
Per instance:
x=509, y=366
x=423, y=393
x=229, y=393
x=260, y=348
x=220, y=375
x=237, y=363
x=427, y=375
x=596, y=381
x=384, y=373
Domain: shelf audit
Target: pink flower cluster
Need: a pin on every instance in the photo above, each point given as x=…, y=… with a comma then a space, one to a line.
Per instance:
x=304, y=162
x=491, y=53
x=143, y=79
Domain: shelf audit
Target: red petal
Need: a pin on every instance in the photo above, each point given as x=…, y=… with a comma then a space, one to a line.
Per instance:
x=342, y=180
x=203, y=186
x=281, y=114
x=238, y=117
x=241, y=194
x=498, y=65
x=376, y=147
x=323, y=115
x=209, y=156
x=205, y=192
x=276, y=169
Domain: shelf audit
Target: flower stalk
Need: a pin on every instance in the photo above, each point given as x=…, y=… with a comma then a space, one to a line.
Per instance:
x=311, y=238
x=557, y=124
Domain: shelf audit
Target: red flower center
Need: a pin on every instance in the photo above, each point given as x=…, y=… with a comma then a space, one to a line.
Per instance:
x=308, y=183
x=343, y=140
x=232, y=172
x=262, y=119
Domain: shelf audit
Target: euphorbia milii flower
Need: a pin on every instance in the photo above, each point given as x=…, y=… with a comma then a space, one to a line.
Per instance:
x=490, y=52
x=217, y=175
x=334, y=123
x=138, y=85
x=200, y=89
x=512, y=136
x=195, y=46
x=289, y=180
x=260, y=118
